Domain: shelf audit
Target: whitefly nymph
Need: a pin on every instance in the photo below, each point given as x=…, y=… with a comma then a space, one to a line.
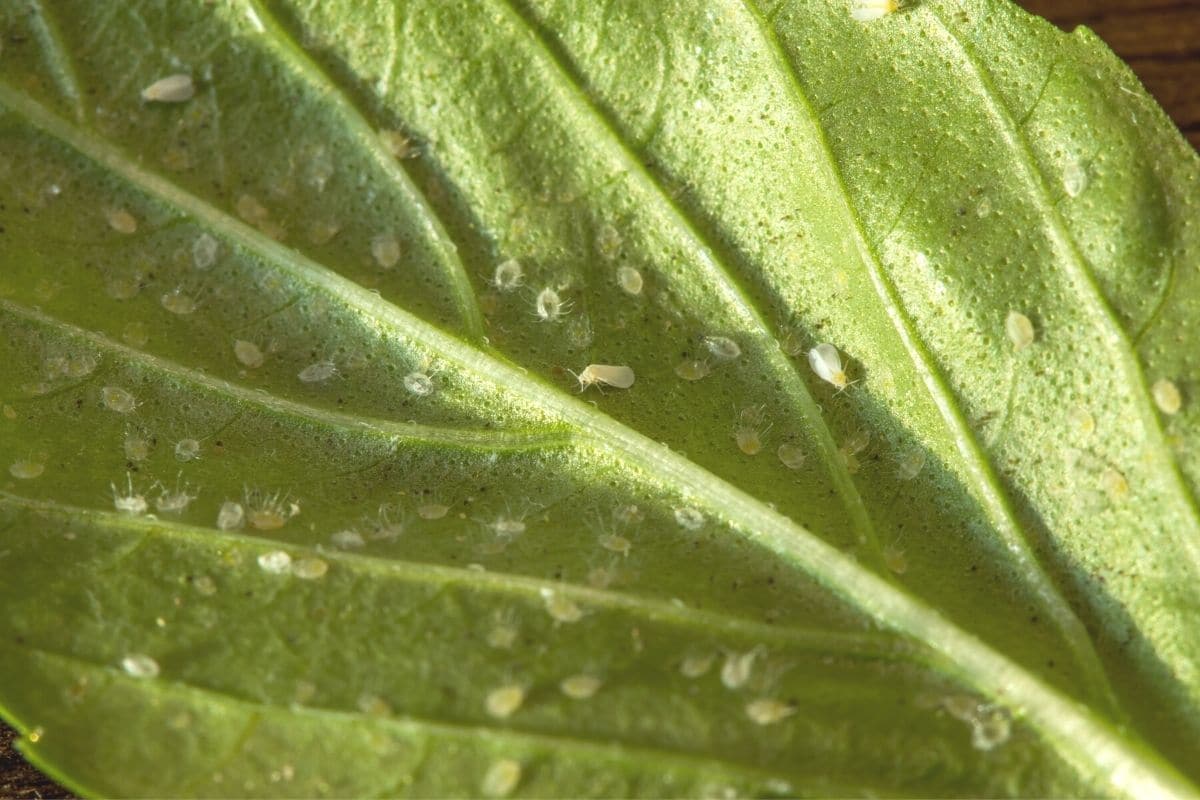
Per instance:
x=508, y=275
x=550, y=306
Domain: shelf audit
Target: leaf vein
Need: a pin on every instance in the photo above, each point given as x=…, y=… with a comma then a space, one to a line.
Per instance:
x=56, y=56
x=976, y=460
x=361, y=131
x=410, y=724
x=487, y=439
x=730, y=289
x=1069, y=254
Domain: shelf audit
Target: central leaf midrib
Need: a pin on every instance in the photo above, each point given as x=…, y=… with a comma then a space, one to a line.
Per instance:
x=1079, y=734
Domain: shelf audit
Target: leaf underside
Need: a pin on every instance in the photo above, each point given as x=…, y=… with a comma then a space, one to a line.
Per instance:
x=301, y=496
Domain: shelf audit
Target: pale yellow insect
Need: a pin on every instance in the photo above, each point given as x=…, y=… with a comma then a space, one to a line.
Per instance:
x=768, y=711
x=1167, y=396
x=204, y=251
x=501, y=778
x=722, y=347
x=117, y=399
x=122, y=221
x=1019, y=329
x=248, y=353
x=791, y=455
x=26, y=469
x=504, y=701
x=630, y=280
x=171, y=89
x=130, y=501
x=385, y=250
x=580, y=687
x=230, y=516
x=310, y=569
x=618, y=377
x=139, y=665
x=692, y=369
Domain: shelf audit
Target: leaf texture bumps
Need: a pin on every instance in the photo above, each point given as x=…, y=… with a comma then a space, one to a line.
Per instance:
x=543, y=398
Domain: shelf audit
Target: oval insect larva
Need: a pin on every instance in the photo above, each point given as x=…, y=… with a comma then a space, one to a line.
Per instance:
x=630, y=280
x=790, y=455
x=230, y=516
x=503, y=702
x=122, y=221
x=248, y=353
x=768, y=711
x=1167, y=396
x=549, y=306
x=317, y=372
x=1019, y=329
x=171, y=89
x=385, y=249
x=276, y=562
x=722, y=347
x=508, y=275
x=501, y=778
x=580, y=687
x=117, y=399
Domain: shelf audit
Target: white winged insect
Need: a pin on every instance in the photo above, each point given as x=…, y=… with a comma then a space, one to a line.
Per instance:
x=826, y=361
x=618, y=377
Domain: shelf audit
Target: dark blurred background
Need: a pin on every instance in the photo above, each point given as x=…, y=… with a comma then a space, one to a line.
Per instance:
x=1160, y=39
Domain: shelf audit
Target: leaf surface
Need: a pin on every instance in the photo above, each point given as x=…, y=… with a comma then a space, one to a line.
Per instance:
x=303, y=497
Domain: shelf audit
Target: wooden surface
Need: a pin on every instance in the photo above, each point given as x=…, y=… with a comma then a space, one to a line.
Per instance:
x=1159, y=38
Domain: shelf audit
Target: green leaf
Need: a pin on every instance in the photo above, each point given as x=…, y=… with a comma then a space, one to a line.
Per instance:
x=302, y=496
